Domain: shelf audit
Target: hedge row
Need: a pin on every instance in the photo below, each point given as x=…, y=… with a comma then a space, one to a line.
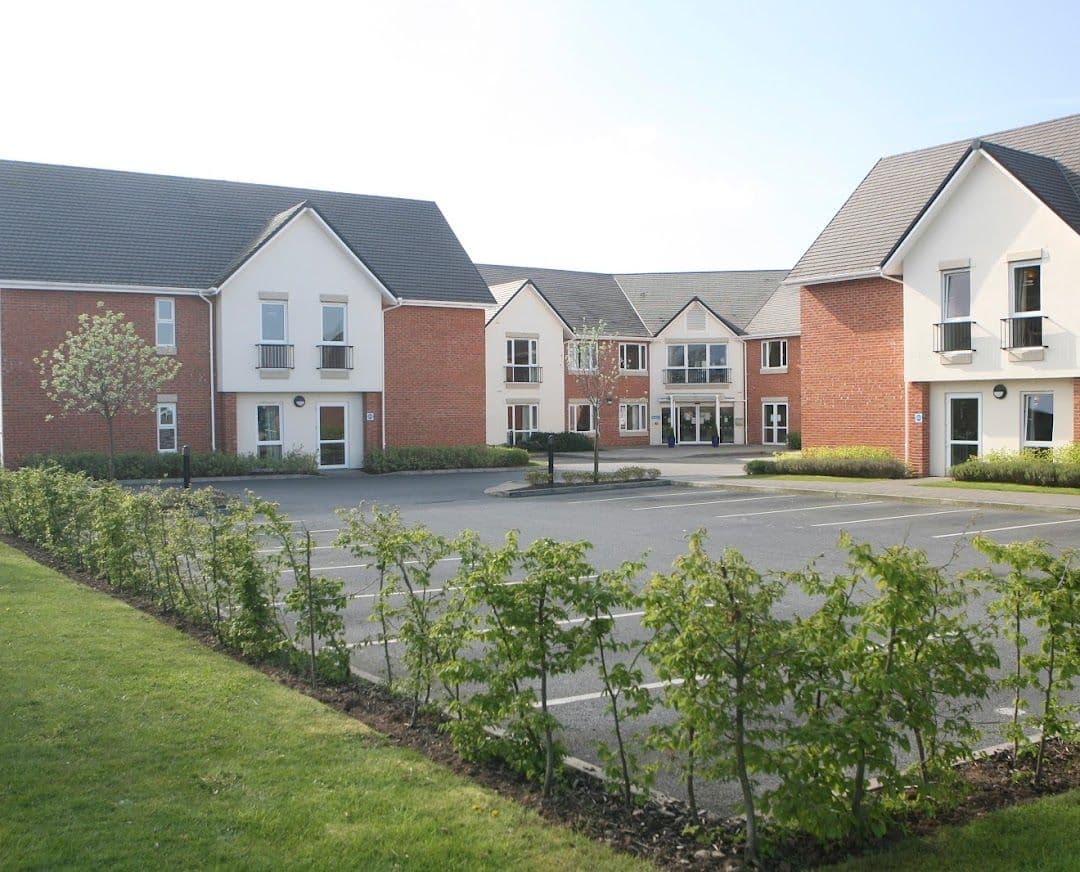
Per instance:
x=152, y=465
x=468, y=457
x=1019, y=470
x=563, y=442
x=884, y=467
x=539, y=477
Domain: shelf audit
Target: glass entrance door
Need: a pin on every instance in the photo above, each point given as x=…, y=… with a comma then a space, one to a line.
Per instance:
x=697, y=423
x=774, y=421
x=332, y=444
x=964, y=426
x=688, y=423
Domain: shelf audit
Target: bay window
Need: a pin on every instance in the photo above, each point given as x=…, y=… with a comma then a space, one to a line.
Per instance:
x=697, y=363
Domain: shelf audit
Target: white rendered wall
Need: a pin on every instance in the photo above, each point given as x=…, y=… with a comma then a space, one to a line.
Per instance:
x=732, y=393
x=304, y=261
x=299, y=426
x=1002, y=420
x=987, y=218
x=525, y=316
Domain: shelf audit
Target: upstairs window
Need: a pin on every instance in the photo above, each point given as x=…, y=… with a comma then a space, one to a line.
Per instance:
x=1027, y=288
x=273, y=322
x=165, y=322
x=956, y=295
x=632, y=357
x=581, y=355
x=774, y=354
x=333, y=324
x=695, y=364
x=522, y=357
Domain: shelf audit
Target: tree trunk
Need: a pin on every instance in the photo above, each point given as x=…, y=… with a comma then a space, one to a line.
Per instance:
x=1048, y=702
x=596, y=445
x=112, y=447
x=690, y=797
x=744, y=777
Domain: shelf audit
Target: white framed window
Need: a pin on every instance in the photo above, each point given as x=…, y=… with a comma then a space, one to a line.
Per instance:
x=522, y=357
x=165, y=322
x=268, y=440
x=333, y=324
x=774, y=423
x=274, y=318
x=633, y=357
x=633, y=417
x=1038, y=419
x=1025, y=326
x=956, y=295
x=521, y=421
x=697, y=363
x=166, y=428
x=581, y=355
x=581, y=418
x=774, y=354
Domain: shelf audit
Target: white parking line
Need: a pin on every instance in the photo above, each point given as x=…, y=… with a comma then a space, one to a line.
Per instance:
x=356, y=596
x=892, y=518
x=803, y=509
x=634, y=497
x=570, y=621
x=600, y=694
x=1006, y=529
x=313, y=548
x=369, y=565
x=711, y=502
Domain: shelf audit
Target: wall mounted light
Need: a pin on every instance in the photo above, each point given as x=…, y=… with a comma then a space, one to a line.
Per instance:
x=1000, y=392
x=299, y=401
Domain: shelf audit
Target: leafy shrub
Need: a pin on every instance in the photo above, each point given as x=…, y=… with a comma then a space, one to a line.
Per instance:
x=152, y=465
x=623, y=473
x=568, y=441
x=1057, y=468
x=451, y=457
x=847, y=452
x=885, y=467
x=538, y=477
x=794, y=440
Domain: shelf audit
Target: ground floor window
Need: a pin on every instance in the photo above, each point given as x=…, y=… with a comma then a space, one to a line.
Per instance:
x=1038, y=420
x=963, y=427
x=520, y=422
x=269, y=441
x=166, y=427
x=581, y=418
x=633, y=417
x=774, y=423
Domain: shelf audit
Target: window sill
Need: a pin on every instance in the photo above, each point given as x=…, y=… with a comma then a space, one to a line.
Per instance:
x=165, y=350
x=1017, y=355
x=274, y=373
x=633, y=372
x=522, y=384
x=334, y=373
x=952, y=358
x=773, y=370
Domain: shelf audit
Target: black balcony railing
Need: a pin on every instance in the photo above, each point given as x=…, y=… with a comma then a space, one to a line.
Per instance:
x=1022, y=331
x=697, y=375
x=952, y=336
x=274, y=356
x=335, y=356
x=520, y=373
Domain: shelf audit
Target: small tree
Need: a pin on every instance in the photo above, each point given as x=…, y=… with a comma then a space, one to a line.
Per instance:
x=105, y=369
x=596, y=373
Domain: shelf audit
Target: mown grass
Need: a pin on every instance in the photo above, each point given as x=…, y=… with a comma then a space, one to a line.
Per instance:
x=843, y=479
x=1037, y=836
x=126, y=744
x=1003, y=486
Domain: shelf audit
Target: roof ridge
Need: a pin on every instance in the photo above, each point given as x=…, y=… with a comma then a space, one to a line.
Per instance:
x=987, y=136
x=622, y=290
x=182, y=178
x=701, y=272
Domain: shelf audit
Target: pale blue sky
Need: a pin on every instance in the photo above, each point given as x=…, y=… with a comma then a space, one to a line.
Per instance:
x=615, y=136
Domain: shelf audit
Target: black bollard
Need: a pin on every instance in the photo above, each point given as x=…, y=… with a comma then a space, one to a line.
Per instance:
x=551, y=459
x=186, y=453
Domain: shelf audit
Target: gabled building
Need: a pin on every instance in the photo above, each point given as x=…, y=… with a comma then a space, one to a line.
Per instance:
x=939, y=312
x=305, y=320
x=678, y=340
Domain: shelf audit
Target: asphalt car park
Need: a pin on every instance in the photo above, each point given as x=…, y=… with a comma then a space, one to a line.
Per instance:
x=775, y=531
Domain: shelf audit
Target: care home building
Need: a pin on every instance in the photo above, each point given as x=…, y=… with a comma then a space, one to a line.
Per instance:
x=940, y=314
x=304, y=320
x=700, y=356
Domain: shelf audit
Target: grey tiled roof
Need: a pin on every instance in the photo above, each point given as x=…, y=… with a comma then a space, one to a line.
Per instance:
x=1045, y=177
x=734, y=295
x=71, y=224
x=881, y=209
x=577, y=296
x=781, y=315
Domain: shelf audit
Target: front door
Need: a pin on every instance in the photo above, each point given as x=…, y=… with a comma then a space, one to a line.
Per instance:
x=774, y=420
x=964, y=426
x=333, y=452
x=688, y=423
x=697, y=423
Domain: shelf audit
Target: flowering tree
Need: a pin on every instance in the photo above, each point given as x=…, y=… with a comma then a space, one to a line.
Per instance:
x=105, y=368
x=596, y=374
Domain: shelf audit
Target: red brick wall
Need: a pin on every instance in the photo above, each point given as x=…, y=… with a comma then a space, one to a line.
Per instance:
x=919, y=434
x=226, y=423
x=34, y=321
x=627, y=387
x=435, y=382
x=372, y=428
x=772, y=384
x=853, y=364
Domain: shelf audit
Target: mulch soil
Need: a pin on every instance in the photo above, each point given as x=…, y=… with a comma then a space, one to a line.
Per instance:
x=660, y=830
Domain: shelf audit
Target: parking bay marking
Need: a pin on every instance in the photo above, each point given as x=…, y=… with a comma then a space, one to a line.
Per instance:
x=803, y=509
x=600, y=694
x=1006, y=529
x=892, y=518
x=662, y=496
x=712, y=502
x=369, y=565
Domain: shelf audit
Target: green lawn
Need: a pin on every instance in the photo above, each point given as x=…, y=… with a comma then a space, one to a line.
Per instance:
x=1034, y=836
x=1003, y=486
x=125, y=744
x=845, y=479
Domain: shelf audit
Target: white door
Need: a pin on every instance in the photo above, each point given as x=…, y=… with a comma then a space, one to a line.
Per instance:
x=774, y=418
x=333, y=435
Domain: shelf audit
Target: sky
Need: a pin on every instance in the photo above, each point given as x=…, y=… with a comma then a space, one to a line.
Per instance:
x=610, y=136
